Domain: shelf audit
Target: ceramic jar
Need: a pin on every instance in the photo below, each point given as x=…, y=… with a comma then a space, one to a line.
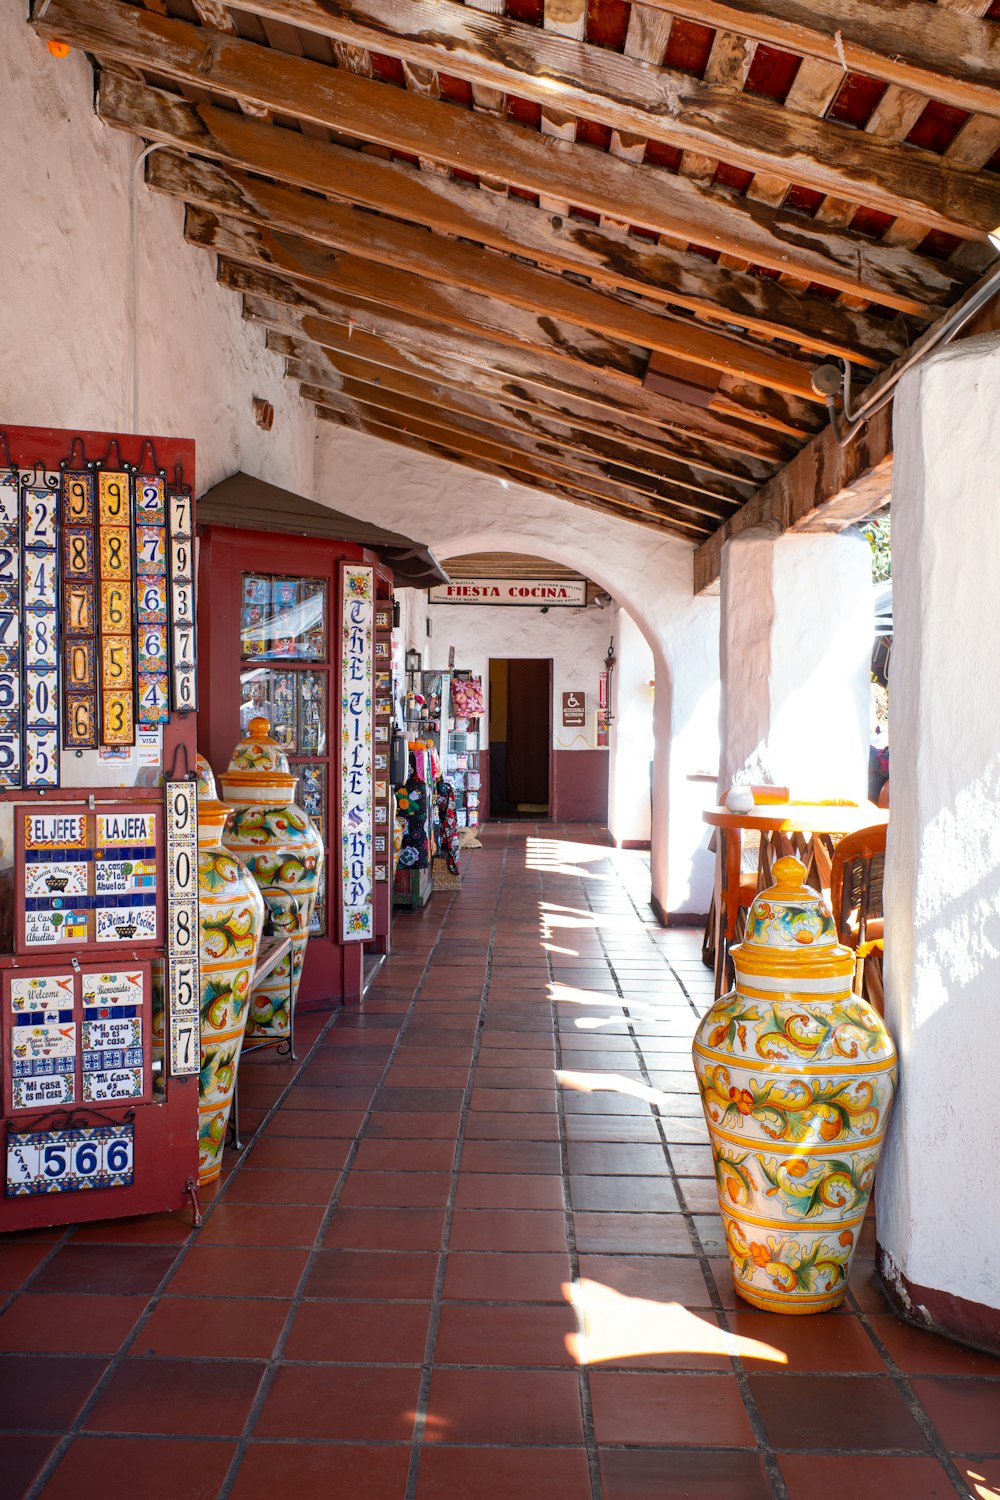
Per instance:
x=797, y=1076
x=205, y=777
x=230, y=923
x=284, y=853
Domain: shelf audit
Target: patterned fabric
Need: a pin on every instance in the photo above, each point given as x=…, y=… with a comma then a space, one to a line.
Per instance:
x=411, y=804
x=447, y=825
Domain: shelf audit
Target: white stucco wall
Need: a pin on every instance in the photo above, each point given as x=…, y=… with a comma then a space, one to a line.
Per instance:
x=64, y=361
x=455, y=511
x=795, y=646
x=576, y=640
x=938, y=1209
x=629, y=814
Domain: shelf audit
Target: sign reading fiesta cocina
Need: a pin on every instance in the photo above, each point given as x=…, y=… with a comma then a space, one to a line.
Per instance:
x=539, y=592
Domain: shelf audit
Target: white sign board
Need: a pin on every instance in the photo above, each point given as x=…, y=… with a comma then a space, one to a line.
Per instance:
x=534, y=593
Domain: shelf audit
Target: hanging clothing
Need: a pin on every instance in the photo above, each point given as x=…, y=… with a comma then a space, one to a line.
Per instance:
x=411, y=805
x=448, y=842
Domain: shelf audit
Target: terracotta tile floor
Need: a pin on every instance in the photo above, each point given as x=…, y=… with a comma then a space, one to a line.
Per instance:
x=471, y=1253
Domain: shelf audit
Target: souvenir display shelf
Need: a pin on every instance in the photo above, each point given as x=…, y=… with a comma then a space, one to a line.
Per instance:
x=273, y=645
x=426, y=721
x=99, y=986
x=462, y=765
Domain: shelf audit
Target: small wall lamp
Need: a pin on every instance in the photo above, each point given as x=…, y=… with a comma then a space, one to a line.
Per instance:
x=610, y=662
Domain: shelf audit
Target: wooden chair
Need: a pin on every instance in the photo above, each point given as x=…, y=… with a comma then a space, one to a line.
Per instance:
x=856, y=879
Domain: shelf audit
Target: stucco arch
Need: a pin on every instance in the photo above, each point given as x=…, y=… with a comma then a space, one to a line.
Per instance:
x=453, y=510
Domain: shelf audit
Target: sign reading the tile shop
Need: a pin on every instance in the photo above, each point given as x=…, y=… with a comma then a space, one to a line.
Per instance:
x=357, y=755
x=544, y=593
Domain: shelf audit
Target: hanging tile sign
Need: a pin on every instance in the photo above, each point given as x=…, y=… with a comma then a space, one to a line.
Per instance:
x=358, y=593
x=183, y=983
x=117, y=668
x=10, y=622
x=151, y=598
x=77, y=506
x=183, y=695
x=40, y=627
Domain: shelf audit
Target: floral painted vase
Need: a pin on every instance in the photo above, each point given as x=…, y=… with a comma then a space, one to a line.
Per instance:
x=284, y=853
x=230, y=923
x=797, y=1076
x=205, y=777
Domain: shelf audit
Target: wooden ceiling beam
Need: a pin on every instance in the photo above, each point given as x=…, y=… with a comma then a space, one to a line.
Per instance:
x=824, y=488
x=608, y=257
x=596, y=83
x=515, y=369
x=306, y=277
x=360, y=382
x=708, y=511
x=505, y=151
x=410, y=250
x=937, y=52
x=362, y=356
x=489, y=458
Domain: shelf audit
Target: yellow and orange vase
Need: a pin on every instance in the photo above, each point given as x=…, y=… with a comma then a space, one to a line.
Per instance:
x=284, y=854
x=797, y=1075
x=230, y=921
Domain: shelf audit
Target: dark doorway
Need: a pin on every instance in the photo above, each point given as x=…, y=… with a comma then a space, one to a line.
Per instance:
x=520, y=736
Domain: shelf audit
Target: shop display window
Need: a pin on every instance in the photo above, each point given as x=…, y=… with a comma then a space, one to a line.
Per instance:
x=283, y=618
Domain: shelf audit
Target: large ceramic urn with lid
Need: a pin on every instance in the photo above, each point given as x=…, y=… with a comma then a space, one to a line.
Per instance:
x=284, y=853
x=797, y=1075
x=230, y=923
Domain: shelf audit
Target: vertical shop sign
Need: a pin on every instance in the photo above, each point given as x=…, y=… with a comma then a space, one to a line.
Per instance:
x=183, y=981
x=184, y=695
x=40, y=628
x=357, y=661
x=10, y=621
x=151, y=598
x=77, y=507
x=117, y=667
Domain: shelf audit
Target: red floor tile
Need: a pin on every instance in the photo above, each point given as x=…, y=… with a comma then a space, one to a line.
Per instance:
x=177, y=1398
x=474, y=1277
x=162, y=1469
x=513, y=1101
x=393, y=1333
x=396, y=1190
x=681, y=1474
x=491, y=1125
x=122, y=1269
x=310, y=1123
x=813, y=1476
x=240, y=1271
x=18, y=1260
x=45, y=1392
x=419, y=1100
x=532, y=1473
x=966, y=1413
x=348, y=1403
x=921, y=1353
x=515, y=1156
x=322, y=1471
x=212, y=1327
x=669, y=1410
x=630, y=1234
x=508, y=1335
x=261, y=1224
x=633, y=1160
x=819, y=1344
x=385, y=1229
x=496, y=1190
x=404, y=1156
x=655, y=1278
x=380, y=1274
x=148, y=1229
x=624, y=1194
x=68, y=1324
x=497, y=1406
x=21, y=1457
x=287, y=1187
x=327, y=1154
x=507, y=1229
x=393, y=1126
x=835, y=1411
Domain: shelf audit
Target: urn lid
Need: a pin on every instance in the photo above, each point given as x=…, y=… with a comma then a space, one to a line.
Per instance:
x=258, y=751
x=790, y=930
x=212, y=818
x=206, y=779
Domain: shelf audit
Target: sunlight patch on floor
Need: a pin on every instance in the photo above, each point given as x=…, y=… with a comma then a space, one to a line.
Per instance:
x=611, y=1326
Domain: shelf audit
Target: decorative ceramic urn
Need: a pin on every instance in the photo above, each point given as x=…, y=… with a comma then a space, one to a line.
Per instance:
x=797, y=1075
x=284, y=853
x=206, y=778
x=230, y=922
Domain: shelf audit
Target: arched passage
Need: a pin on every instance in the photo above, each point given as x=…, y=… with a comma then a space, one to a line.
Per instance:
x=454, y=511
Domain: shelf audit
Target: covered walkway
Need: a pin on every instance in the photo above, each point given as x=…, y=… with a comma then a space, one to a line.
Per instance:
x=472, y=1254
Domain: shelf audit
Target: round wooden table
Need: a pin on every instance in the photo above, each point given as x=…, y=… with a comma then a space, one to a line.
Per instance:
x=806, y=829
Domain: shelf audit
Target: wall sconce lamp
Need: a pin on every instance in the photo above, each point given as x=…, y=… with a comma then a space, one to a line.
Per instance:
x=610, y=662
x=412, y=660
